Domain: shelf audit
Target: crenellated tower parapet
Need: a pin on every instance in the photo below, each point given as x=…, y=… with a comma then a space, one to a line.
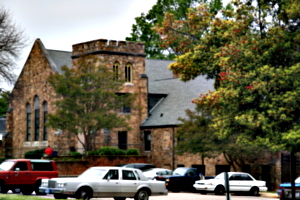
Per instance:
x=104, y=46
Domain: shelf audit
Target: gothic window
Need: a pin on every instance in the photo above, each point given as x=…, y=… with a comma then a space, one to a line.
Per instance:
x=45, y=105
x=147, y=140
x=36, y=118
x=28, y=121
x=116, y=70
x=128, y=72
x=122, y=140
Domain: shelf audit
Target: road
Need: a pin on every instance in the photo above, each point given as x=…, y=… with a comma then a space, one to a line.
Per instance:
x=189, y=196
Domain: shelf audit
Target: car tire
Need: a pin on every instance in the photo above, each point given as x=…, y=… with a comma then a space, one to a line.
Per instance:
x=220, y=190
x=60, y=196
x=142, y=194
x=3, y=188
x=36, y=188
x=254, y=191
x=84, y=193
x=26, y=191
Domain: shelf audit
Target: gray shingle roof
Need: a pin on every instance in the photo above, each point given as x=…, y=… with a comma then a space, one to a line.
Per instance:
x=179, y=94
x=161, y=81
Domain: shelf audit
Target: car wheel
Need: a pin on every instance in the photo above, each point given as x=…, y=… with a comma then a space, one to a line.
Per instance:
x=254, y=191
x=84, y=194
x=119, y=198
x=3, y=188
x=60, y=196
x=141, y=195
x=36, y=188
x=27, y=190
x=220, y=190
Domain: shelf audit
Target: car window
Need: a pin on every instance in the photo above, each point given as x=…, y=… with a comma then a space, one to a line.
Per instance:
x=112, y=174
x=235, y=177
x=22, y=166
x=246, y=177
x=191, y=172
x=137, y=175
x=128, y=175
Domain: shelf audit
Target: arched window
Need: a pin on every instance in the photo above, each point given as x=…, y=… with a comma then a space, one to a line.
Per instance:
x=45, y=133
x=36, y=118
x=128, y=72
x=28, y=121
x=116, y=70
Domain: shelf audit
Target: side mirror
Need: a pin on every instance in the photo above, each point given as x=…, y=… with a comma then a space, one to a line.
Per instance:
x=17, y=169
x=108, y=178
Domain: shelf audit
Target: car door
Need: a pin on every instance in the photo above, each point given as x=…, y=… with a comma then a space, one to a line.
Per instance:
x=246, y=182
x=110, y=184
x=19, y=174
x=234, y=183
x=189, y=179
x=129, y=182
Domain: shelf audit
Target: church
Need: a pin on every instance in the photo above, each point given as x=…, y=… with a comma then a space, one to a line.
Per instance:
x=162, y=97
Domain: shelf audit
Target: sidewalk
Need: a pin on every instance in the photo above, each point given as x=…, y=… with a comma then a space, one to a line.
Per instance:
x=268, y=194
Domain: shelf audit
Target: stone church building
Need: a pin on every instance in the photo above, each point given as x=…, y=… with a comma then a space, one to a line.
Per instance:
x=162, y=97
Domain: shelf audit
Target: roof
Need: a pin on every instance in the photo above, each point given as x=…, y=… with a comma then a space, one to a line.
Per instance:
x=177, y=94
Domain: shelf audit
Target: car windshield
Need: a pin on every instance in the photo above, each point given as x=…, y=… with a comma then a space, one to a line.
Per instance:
x=6, y=165
x=98, y=173
x=179, y=171
x=220, y=176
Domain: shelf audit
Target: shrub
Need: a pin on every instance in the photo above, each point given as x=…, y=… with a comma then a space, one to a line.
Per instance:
x=35, y=154
x=132, y=152
x=74, y=153
x=110, y=151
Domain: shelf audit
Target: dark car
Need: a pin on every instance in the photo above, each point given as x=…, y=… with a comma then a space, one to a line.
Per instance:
x=141, y=166
x=182, y=178
x=285, y=190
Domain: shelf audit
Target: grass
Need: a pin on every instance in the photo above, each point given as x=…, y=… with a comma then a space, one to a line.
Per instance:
x=19, y=197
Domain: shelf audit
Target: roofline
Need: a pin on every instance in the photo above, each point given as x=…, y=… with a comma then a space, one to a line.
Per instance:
x=159, y=126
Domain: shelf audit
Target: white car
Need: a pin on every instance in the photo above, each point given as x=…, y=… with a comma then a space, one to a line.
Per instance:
x=98, y=182
x=238, y=182
x=152, y=173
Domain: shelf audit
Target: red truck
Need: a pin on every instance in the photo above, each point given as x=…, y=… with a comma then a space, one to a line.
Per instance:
x=25, y=174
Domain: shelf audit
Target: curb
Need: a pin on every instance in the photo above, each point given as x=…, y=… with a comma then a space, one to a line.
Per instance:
x=269, y=195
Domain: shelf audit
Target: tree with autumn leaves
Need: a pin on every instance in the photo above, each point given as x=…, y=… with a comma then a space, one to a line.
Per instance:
x=252, y=52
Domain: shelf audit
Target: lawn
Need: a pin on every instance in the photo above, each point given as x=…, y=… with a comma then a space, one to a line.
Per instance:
x=19, y=197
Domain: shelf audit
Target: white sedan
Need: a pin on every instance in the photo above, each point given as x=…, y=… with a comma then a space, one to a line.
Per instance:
x=96, y=182
x=238, y=182
x=152, y=173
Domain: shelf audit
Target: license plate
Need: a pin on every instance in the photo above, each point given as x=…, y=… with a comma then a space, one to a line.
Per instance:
x=47, y=191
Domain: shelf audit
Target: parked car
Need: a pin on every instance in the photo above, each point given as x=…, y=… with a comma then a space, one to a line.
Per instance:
x=25, y=175
x=238, y=182
x=285, y=191
x=100, y=182
x=182, y=178
x=141, y=166
x=153, y=172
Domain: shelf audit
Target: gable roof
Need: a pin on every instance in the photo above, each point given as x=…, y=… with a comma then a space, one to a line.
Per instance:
x=179, y=94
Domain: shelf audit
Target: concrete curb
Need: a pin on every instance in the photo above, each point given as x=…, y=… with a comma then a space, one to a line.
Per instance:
x=269, y=195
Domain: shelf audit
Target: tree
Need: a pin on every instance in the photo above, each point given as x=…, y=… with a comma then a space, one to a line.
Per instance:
x=196, y=136
x=253, y=54
x=143, y=31
x=4, y=102
x=87, y=98
x=12, y=41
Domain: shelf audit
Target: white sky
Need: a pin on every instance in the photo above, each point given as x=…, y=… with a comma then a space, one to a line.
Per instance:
x=61, y=23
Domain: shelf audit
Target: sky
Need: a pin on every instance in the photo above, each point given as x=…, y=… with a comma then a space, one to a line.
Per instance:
x=61, y=23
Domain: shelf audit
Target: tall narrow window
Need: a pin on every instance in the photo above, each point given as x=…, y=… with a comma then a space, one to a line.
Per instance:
x=147, y=140
x=36, y=118
x=28, y=122
x=123, y=103
x=116, y=70
x=128, y=72
x=122, y=140
x=45, y=134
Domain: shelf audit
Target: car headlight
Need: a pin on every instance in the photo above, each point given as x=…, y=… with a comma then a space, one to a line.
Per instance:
x=44, y=184
x=61, y=185
x=167, y=180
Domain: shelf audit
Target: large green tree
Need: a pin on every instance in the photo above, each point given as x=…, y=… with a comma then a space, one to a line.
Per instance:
x=12, y=41
x=87, y=99
x=252, y=52
x=142, y=30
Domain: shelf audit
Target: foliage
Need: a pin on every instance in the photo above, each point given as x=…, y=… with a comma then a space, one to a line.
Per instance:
x=143, y=31
x=87, y=98
x=196, y=136
x=107, y=151
x=19, y=197
x=74, y=153
x=4, y=103
x=35, y=154
x=132, y=152
x=12, y=41
x=253, y=54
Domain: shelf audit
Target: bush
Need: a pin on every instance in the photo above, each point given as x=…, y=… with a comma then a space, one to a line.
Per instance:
x=107, y=151
x=132, y=152
x=36, y=154
x=74, y=153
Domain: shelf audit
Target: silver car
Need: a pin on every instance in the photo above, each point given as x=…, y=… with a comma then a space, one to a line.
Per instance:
x=97, y=182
